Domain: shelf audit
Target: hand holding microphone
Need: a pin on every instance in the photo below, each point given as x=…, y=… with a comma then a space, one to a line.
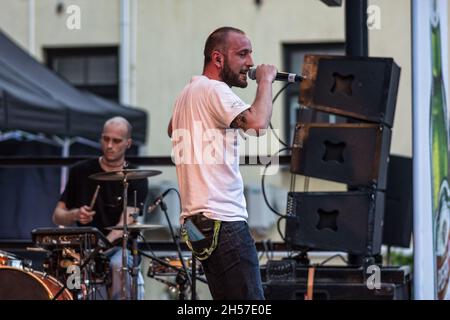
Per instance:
x=259, y=72
x=263, y=72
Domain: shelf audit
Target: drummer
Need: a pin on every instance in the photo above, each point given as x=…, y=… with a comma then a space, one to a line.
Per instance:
x=74, y=203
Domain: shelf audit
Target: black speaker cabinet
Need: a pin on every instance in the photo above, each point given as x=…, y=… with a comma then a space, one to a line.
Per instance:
x=340, y=283
x=355, y=154
x=359, y=87
x=398, y=215
x=336, y=221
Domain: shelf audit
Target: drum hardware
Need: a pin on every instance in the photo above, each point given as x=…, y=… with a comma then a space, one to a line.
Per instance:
x=134, y=231
x=82, y=268
x=179, y=286
x=69, y=252
x=137, y=227
x=76, y=237
x=69, y=258
x=171, y=267
x=161, y=268
x=124, y=176
x=74, y=247
x=11, y=260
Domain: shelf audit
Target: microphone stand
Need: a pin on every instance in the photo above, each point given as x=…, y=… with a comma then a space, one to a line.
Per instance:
x=194, y=278
x=177, y=243
x=191, y=280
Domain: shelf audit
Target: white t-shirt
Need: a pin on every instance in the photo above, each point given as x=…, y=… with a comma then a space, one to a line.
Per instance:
x=206, y=150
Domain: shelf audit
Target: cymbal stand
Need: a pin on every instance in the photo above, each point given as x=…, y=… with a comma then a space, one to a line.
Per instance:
x=124, y=273
x=135, y=269
x=135, y=254
x=177, y=243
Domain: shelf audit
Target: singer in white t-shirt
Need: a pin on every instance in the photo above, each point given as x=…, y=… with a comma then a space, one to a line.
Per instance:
x=204, y=130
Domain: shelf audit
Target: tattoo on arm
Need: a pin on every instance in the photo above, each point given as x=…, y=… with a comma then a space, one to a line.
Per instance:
x=240, y=122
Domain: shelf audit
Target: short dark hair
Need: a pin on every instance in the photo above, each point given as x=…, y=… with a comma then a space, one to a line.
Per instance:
x=217, y=41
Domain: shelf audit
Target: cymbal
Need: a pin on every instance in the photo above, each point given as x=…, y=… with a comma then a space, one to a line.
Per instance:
x=138, y=227
x=120, y=175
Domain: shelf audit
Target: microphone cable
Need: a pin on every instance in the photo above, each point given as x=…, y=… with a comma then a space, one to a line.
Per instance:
x=263, y=188
x=270, y=123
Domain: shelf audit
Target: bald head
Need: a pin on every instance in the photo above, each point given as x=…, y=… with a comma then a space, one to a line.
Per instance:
x=116, y=139
x=119, y=122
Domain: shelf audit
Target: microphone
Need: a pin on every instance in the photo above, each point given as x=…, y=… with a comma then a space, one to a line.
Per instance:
x=281, y=76
x=157, y=201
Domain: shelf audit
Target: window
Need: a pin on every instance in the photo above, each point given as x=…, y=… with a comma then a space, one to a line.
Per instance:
x=91, y=69
x=293, y=55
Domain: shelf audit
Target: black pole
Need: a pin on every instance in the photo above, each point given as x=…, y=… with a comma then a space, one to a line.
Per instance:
x=356, y=35
x=356, y=45
x=177, y=243
x=194, y=278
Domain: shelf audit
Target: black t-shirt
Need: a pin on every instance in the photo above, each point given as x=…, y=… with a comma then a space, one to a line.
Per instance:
x=109, y=204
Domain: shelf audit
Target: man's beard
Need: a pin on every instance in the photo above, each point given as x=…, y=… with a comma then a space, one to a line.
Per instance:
x=231, y=78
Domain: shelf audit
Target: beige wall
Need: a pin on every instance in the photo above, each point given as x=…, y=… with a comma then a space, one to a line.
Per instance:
x=99, y=23
x=11, y=12
x=393, y=39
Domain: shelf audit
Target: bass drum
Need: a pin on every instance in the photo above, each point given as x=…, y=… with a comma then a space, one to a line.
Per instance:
x=19, y=284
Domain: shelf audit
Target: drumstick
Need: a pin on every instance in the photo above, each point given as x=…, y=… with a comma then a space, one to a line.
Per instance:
x=94, y=197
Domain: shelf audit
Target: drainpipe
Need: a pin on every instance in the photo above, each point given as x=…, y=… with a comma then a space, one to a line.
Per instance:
x=133, y=52
x=124, y=52
x=31, y=27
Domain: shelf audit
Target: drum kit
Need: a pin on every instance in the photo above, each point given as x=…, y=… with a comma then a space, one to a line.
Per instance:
x=81, y=247
x=124, y=176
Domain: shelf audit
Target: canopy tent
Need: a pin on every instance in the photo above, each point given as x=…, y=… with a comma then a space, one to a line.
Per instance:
x=24, y=107
x=33, y=98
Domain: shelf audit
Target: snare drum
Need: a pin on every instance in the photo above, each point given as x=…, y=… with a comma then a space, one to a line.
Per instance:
x=21, y=284
x=10, y=260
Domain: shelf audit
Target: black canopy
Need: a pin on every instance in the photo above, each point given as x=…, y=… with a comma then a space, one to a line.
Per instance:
x=33, y=98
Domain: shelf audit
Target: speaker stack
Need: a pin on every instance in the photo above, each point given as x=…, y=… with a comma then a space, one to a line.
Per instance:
x=356, y=153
